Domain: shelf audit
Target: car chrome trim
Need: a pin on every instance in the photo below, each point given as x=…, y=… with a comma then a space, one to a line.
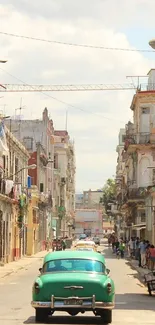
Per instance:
x=58, y=303
x=73, y=287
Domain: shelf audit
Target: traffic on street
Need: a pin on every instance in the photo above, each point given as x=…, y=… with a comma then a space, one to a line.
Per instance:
x=133, y=305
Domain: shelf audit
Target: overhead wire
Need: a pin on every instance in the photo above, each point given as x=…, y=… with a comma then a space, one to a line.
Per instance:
x=63, y=102
x=100, y=47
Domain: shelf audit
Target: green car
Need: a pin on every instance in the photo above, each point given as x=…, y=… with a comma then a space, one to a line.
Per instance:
x=74, y=282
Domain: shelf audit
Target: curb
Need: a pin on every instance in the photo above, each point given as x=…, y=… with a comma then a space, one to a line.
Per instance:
x=20, y=267
x=139, y=275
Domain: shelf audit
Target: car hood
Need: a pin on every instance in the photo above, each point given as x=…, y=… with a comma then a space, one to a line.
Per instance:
x=87, y=284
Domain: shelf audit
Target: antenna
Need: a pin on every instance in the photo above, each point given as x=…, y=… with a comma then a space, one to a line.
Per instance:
x=20, y=109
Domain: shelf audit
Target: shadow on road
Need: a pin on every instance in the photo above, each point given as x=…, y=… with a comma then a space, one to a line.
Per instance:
x=132, y=301
x=68, y=320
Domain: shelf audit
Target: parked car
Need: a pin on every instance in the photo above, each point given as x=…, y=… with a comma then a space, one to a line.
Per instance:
x=96, y=240
x=73, y=281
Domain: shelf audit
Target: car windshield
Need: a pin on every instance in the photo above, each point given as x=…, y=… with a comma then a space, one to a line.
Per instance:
x=74, y=265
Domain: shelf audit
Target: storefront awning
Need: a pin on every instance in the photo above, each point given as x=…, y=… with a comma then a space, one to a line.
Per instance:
x=139, y=226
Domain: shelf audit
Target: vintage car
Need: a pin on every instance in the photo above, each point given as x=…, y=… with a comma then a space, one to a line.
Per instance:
x=85, y=244
x=74, y=282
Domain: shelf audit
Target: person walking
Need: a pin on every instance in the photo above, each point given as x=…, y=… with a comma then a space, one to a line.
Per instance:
x=131, y=246
x=122, y=248
x=152, y=257
x=143, y=246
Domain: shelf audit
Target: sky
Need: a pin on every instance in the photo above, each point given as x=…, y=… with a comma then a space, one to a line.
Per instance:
x=94, y=118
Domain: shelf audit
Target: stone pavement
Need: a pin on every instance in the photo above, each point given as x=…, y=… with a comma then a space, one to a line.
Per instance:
x=15, y=266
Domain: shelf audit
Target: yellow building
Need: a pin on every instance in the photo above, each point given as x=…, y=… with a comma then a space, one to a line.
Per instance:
x=13, y=181
x=33, y=221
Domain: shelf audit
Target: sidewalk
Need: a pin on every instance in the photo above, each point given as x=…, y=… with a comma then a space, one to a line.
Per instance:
x=14, y=267
x=141, y=271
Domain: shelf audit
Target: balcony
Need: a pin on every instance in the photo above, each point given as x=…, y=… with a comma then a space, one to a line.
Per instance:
x=45, y=200
x=133, y=141
x=135, y=194
x=125, y=156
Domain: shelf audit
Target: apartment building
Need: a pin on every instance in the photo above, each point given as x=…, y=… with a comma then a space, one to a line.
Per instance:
x=38, y=138
x=135, y=191
x=13, y=182
x=64, y=163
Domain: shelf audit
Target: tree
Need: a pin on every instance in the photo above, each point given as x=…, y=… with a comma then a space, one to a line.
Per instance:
x=109, y=193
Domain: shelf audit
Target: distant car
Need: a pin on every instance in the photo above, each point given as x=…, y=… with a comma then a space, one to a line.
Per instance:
x=74, y=282
x=96, y=240
x=85, y=244
x=82, y=236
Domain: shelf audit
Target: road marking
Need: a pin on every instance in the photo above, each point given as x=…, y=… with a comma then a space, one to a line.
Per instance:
x=121, y=303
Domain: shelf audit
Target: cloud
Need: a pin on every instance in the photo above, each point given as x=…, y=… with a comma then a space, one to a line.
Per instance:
x=94, y=118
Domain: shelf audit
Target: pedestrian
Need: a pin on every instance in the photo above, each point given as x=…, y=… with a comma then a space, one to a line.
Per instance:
x=122, y=248
x=143, y=246
x=131, y=246
x=152, y=257
x=137, y=248
x=147, y=253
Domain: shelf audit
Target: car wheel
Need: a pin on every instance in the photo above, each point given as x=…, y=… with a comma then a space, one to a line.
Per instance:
x=42, y=315
x=106, y=316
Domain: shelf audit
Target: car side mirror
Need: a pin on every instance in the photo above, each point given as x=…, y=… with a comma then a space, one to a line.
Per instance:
x=108, y=271
x=40, y=269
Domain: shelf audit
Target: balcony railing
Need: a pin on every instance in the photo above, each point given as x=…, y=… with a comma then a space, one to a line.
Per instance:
x=139, y=138
x=136, y=193
x=146, y=87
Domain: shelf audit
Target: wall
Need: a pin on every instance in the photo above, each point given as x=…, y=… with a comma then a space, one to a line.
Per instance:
x=33, y=172
x=145, y=160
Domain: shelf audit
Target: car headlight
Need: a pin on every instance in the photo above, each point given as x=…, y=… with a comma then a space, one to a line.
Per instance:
x=36, y=288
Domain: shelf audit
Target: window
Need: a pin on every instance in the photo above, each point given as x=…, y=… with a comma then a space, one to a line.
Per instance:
x=74, y=265
x=123, y=138
x=28, y=143
x=145, y=110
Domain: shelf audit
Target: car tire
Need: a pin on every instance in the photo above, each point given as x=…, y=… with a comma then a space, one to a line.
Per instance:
x=106, y=316
x=42, y=315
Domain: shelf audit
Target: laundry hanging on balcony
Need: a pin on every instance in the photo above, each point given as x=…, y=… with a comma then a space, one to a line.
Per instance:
x=4, y=150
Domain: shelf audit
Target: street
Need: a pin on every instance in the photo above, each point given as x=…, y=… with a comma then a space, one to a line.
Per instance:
x=133, y=304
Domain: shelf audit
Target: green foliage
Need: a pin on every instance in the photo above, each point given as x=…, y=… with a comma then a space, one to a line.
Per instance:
x=109, y=193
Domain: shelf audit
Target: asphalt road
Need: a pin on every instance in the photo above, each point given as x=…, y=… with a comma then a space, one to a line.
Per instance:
x=133, y=305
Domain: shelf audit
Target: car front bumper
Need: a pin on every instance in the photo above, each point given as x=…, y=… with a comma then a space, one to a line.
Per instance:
x=57, y=303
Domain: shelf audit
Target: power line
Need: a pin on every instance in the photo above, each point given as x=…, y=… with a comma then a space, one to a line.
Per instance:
x=76, y=44
x=62, y=102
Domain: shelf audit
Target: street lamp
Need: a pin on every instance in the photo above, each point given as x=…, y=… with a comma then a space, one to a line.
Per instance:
x=152, y=43
x=33, y=166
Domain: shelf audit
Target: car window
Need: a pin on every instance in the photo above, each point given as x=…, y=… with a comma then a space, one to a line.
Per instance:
x=74, y=265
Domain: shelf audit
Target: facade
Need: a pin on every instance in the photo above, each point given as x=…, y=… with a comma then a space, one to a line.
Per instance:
x=64, y=167
x=89, y=200
x=38, y=138
x=13, y=204
x=135, y=183
x=89, y=222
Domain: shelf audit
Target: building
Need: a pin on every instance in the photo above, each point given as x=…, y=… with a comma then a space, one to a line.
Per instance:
x=78, y=201
x=89, y=200
x=38, y=138
x=64, y=166
x=13, y=203
x=135, y=195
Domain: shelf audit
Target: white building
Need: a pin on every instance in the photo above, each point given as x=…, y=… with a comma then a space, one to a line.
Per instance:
x=64, y=158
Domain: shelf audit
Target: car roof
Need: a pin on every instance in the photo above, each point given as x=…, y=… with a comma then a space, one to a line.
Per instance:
x=85, y=242
x=74, y=254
